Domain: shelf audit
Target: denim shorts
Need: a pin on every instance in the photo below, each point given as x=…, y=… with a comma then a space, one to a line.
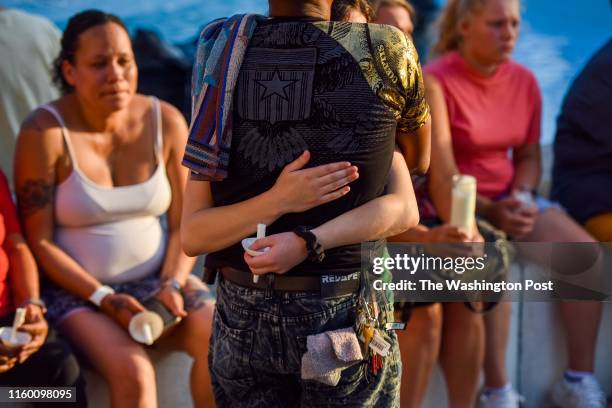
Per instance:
x=258, y=341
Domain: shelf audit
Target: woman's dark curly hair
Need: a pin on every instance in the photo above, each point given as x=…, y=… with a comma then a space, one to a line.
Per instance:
x=341, y=8
x=77, y=24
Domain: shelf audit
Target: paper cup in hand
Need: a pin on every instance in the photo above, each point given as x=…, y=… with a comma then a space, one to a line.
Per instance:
x=526, y=199
x=19, y=340
x=261, y=232
x=146, y=327
x=246, y=244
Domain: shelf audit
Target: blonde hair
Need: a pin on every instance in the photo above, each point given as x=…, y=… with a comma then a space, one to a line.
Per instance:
x=454, y=11
x=397, y=3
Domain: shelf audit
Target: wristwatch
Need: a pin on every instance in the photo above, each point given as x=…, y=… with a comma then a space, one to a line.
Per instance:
x=313, y=246
x=173, y=283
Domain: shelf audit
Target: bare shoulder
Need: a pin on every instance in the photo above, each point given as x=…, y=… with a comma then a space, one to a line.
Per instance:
x=40, y=129
x=39, y=120
x=431, y=81
x=39, y=149
x=434, y=91
x=174, y=126
x=171, y=117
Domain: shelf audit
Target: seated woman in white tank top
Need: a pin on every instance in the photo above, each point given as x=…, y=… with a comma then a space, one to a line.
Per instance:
x=96, y=171
x=115, y=233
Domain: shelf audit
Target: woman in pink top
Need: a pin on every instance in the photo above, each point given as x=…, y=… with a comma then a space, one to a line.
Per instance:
x=493, y=107
x=444, y=332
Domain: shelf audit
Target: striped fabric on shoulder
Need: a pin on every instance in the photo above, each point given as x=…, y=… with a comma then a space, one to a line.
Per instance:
x=221, y=48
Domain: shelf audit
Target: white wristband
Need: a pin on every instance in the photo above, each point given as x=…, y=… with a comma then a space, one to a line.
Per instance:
x=99, y=294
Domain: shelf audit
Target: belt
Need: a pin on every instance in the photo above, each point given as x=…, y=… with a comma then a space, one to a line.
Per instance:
x=328, y=285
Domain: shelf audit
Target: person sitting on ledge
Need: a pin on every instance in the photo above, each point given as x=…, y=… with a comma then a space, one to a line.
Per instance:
x=46, y=360
x=96, y=171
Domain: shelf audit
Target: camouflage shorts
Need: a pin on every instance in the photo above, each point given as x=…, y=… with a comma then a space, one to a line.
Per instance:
x=61, y=304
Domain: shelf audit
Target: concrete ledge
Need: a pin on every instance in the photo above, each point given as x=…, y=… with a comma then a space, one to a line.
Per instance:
x=172, y=372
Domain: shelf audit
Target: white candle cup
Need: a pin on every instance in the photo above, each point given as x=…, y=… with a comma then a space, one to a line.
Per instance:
x=14, y=342
x=146, y=327
x=526, y=199
x=261, y=232
x=147, y=332
x=463, y=202
x=18, y=320
x=246, y=245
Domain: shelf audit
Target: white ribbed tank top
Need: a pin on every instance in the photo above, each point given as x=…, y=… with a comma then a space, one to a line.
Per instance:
x=114, y=233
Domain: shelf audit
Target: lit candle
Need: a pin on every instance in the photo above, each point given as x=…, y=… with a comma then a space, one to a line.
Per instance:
x=261, y=233
x=463, y=206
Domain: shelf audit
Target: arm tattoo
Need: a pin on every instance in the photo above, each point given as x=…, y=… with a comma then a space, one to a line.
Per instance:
x=34, y=195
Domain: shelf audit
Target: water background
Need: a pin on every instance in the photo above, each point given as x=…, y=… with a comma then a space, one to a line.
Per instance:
x=558, y=36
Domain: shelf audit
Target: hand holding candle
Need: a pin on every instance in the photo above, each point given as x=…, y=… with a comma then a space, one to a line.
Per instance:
x=19, y=319
x=247, y=242
x=261, y=232
x=11, y=337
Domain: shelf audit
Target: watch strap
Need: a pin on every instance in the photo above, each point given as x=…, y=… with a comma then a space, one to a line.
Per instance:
x=313, y=246
x=172, y=283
